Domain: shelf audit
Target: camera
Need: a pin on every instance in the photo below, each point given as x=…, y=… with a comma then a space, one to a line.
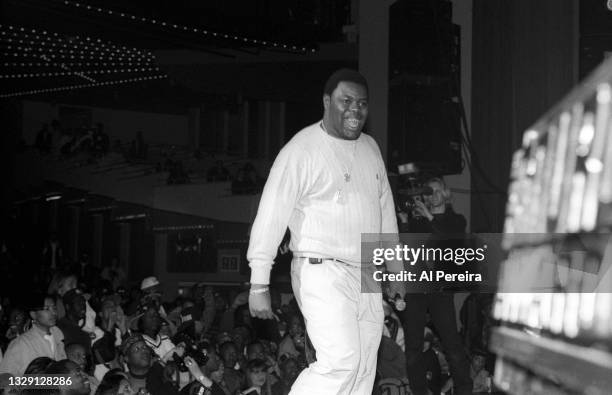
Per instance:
x=197, y=351
x=412, y=187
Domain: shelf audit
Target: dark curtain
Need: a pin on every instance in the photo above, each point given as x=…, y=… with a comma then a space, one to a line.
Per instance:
x=524, y=61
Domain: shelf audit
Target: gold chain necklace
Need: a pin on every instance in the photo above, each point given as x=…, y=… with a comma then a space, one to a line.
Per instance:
x=339, y=196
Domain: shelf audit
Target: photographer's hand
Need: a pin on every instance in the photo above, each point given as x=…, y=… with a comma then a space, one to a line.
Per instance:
x=422, y=209
x=196, y=372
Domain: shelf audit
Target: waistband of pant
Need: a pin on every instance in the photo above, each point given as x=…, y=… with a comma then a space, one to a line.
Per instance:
x=318, y=261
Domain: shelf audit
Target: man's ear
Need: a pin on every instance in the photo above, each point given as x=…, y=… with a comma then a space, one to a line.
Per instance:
x=326, y=101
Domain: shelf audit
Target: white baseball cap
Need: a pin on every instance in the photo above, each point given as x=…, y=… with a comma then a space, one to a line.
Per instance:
x=148, y=282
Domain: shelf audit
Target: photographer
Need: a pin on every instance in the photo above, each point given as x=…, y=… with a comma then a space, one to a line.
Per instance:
x=435, y=216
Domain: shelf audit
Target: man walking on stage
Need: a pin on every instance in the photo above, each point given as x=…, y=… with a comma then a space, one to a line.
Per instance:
x=328, y=185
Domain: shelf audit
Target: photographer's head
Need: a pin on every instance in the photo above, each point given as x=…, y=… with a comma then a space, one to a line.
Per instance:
x=440, y=197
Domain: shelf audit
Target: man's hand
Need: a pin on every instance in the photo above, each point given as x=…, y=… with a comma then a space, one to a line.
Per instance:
x=260, y=304
x=422, y=209
x=394, y=288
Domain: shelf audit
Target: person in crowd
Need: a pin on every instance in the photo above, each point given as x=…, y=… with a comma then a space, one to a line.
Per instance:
x=138, y=357
x=44, y=339
x=288, y=373
x=44, y=140
x=74, y=303
x=202, y=382
x=215, y=369
x=115, y=382
x=149, y=325
x=234, y=377
x=391, y=359
x=114, y=273
x=439, y=221
x=53, y=255
x=38, y=365
x=480, y=376
x=256, y=379
x=329, y=185
x=293, y=344
x=111, y=319
x=431, y=364
x=63, y=282
x=77, y=353
x=218, y=173
x=80, y=383
x=105, y=356
x=18, y=323
x=256, y=350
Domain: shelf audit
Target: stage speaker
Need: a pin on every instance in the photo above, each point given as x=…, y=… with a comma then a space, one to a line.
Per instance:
x=424, y=127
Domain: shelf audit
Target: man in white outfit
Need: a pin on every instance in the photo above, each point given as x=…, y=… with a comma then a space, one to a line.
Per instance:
x=328, y=185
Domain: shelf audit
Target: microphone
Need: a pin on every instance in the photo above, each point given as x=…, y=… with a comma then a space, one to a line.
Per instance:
x=399, y=303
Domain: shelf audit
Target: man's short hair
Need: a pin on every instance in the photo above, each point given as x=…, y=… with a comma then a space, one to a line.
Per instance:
x=346, y=75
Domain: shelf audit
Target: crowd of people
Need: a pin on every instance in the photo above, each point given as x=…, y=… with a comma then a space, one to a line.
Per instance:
x=112, y=341
x=85, y=322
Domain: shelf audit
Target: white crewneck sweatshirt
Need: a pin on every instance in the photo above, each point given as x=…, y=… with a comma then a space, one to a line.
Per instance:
x=328, y=191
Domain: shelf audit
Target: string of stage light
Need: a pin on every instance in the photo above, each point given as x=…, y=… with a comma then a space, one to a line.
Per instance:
x=69, y=42
x=58, y=56
x=72, y=64
x=184, y=28
x=69, y=73
x=68, y=52
x=81, y=86
x=16, y=31
x=67, y=46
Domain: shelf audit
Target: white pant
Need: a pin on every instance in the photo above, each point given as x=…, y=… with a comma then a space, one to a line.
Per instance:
x=343, y=324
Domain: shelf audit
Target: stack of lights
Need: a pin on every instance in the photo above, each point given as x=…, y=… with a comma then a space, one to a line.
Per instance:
x=186, y=28
x=72, y=87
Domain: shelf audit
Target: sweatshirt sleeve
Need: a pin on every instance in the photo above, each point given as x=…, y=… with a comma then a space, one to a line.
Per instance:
x=283, y=189
x=388, y=217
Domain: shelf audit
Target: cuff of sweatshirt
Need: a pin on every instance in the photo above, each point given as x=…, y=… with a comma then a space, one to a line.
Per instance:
x=260, y=272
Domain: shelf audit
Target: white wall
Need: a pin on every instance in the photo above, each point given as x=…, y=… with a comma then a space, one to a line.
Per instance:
x=119, y=124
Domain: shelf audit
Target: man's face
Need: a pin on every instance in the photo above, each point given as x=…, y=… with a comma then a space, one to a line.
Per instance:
x=346, y=110
x=151, y=321
x=296, y=327
x=76, y=353
x=230, y=355
x=139, y=355
x=78, y=306
x=80, y=382
x=478, y=363
x=47, y=316
x=257, y=377
x=256, y=351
